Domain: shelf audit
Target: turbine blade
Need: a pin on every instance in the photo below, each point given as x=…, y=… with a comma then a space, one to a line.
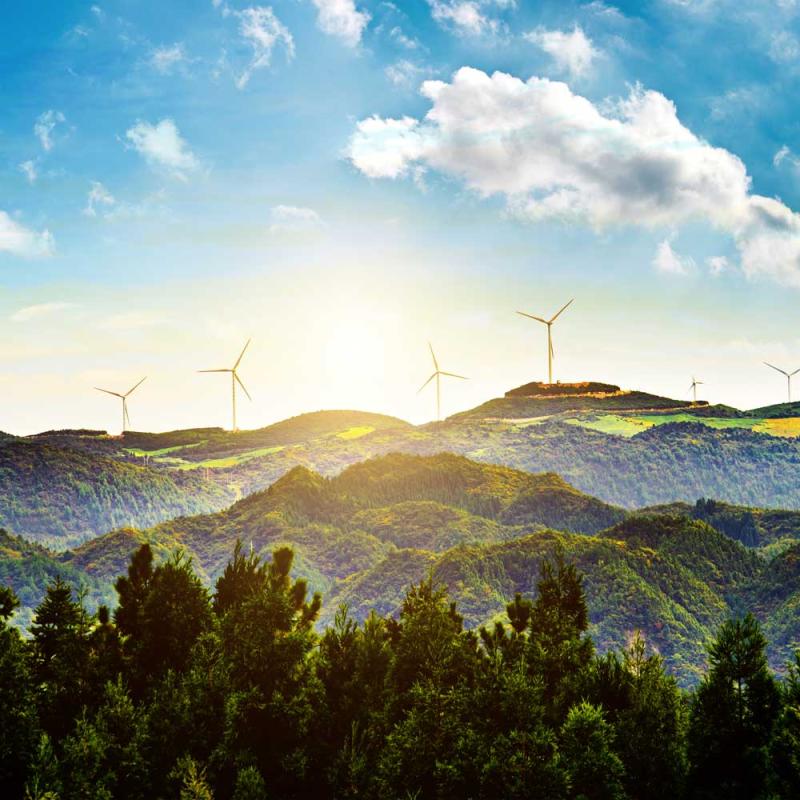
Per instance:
x=562, y=310
x=108, y=391
x=427, y=382
x=127, y=416
x=238, y=360
x=131, y=391
x=530, y=316
x=453, y=375
x=778, y=369
x=795, y=372
x=552, y=350
x=215, y=370
x=244, y=388
x=433, y=356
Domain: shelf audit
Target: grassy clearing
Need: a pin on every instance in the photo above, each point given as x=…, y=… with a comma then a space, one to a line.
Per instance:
x=627, y=426
x=614, y=424
x=139, y=453
x=355, y=433
x=230, y=461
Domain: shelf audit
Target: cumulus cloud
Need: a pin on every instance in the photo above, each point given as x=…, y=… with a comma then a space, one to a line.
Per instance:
x=572, y=51
x=39, y=310
x=28, y=168
x=161, y=145
x=98, y=197
x=399, y=36
x=668, y=261
x=45, y=125
x=555, y=155
x=164, y=59
x=18, y=240
x=784, y=47
x=342, y=19
x=263, y=31
x=290, y=219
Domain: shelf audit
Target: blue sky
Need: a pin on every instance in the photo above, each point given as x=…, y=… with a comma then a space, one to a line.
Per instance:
x=344, y=181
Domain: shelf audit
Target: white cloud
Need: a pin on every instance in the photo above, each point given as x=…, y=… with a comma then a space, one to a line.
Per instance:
x=465, y=16
x=405, y=73
x=572, y=51
x=39, y=310
x=288, y=219
x=18, y=240
x=98, y=197
x=400, y=37
x=737, y=102
x=162, y=145
x=263, y=31
x=668, y=261
x=717, y=265
x=45, y=125
x=555, y=155
x=28, y=168
x=784, y=47
x=163, y=59
x=340, y=18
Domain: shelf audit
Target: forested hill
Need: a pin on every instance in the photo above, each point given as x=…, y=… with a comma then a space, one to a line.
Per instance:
x=61, y=497
x=363, y=536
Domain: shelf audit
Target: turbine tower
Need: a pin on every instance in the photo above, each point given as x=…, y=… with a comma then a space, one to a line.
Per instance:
x=437, y=374
x=693, y=389
x=126, y=420
x=788, y=375
x=549, y=323
x=234, y=380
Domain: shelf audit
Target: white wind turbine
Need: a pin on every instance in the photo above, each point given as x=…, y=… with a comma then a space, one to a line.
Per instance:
x=549, y=323
x=234, y=380
x=126, y=420
x=693, y=388
x=437, y=374
x=788, y=375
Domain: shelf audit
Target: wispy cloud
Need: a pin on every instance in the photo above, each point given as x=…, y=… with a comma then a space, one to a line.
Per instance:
x=668, y=261
x=463, y=16
x=405, y=73
x=161, y=145
x=18, y=240
x=341, y=18
x=263, y=31
x=45, y=126
x=166, y=58
x=28, y=168
x=39, y=310
x=290, y=219
x=572, y=51
x=98, y=197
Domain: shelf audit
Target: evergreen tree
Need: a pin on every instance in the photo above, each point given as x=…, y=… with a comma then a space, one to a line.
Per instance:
x=785, y=745
x=60, y=652
x=594, y=771
x=19, y=725
x=733, y=714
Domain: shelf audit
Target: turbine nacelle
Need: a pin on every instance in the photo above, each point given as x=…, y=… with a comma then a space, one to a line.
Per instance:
x=126, y=420
x=437, y=375
x=549, y=323
x=234, y=380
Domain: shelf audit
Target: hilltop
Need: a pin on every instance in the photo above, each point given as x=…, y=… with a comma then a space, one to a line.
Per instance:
x=363, y=536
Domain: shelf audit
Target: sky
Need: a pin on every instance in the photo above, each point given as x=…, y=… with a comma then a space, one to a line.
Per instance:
x=344, y=181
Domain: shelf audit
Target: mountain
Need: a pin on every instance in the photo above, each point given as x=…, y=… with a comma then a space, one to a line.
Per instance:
x=362, y=537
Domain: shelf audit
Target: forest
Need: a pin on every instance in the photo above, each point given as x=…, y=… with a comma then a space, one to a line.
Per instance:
x=185, y=692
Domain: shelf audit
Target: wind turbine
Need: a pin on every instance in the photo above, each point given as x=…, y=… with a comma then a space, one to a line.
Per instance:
x=234, y=380
x=437, y=374
x=788, y=377
x=693, y=388
x=126, y=420
x=549, y=323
